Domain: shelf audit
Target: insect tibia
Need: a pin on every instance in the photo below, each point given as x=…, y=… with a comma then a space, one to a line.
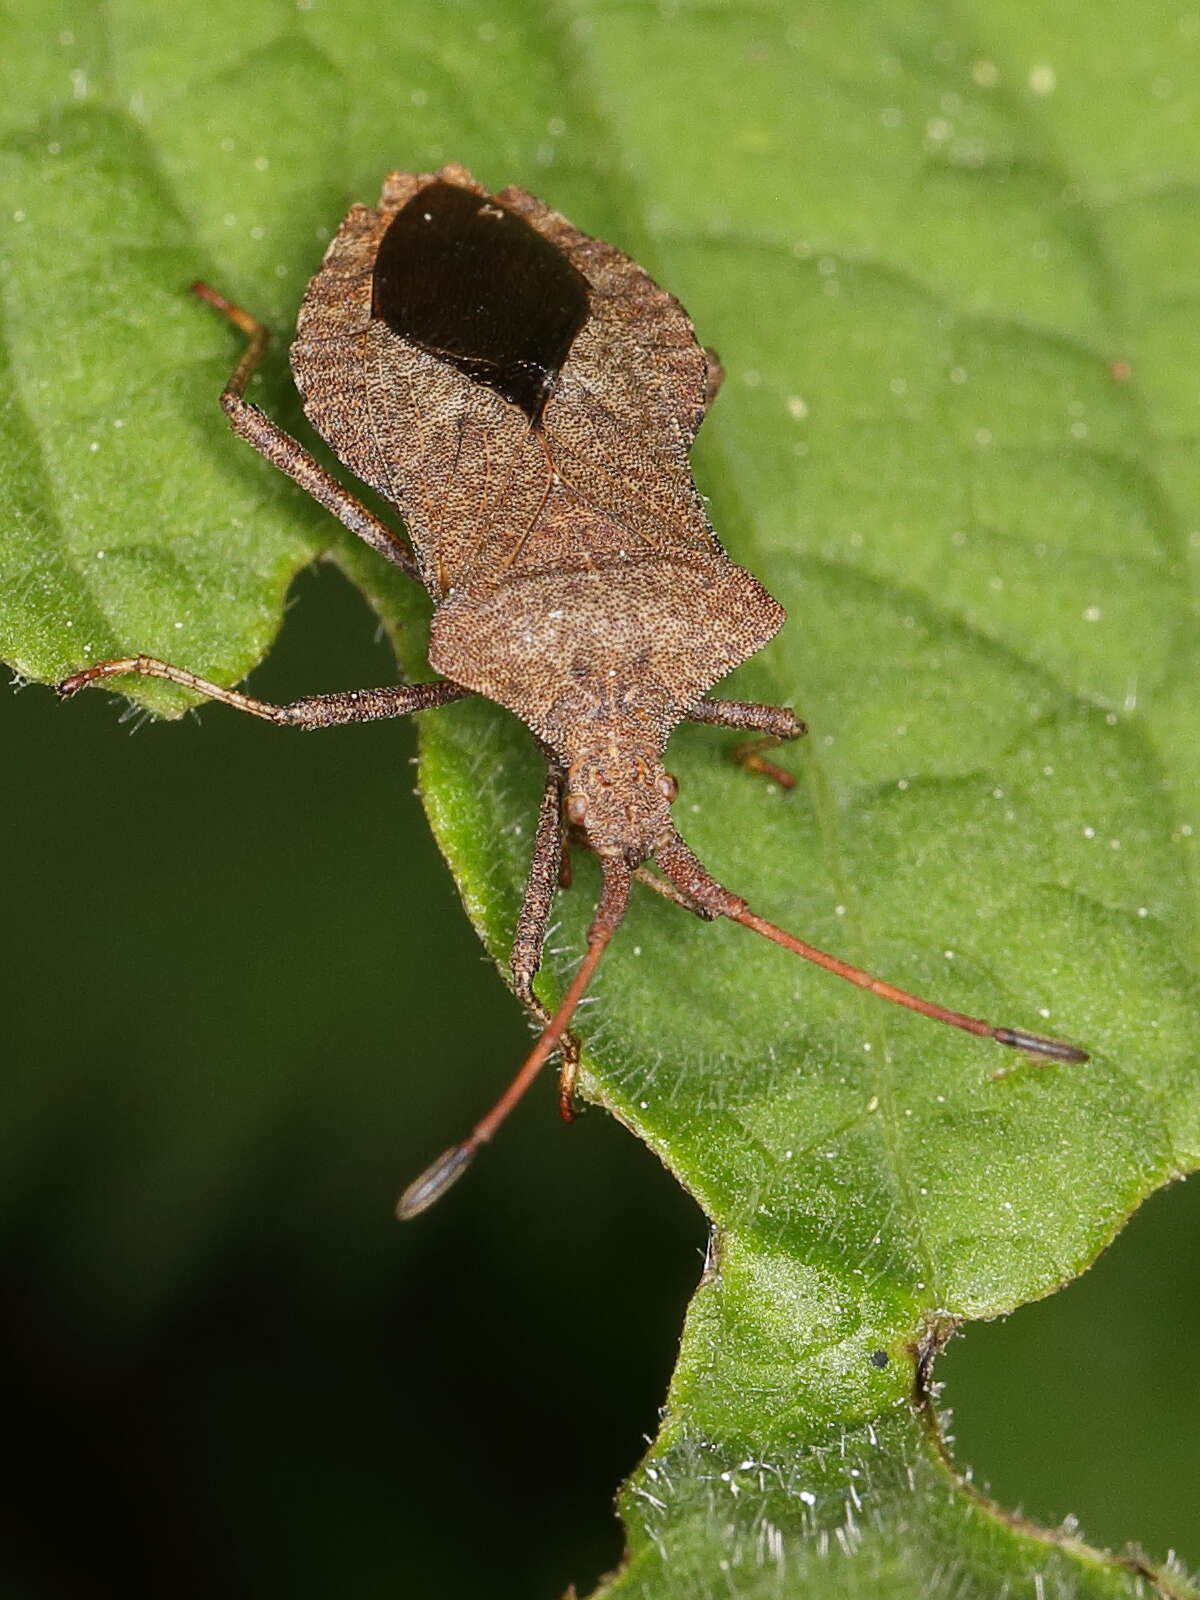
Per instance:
x=435, y=1180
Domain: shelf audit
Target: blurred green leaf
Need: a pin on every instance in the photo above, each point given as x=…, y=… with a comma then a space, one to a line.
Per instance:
x=950, y=266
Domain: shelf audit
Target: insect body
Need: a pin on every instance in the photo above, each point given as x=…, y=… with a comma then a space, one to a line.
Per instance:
x=527, y=397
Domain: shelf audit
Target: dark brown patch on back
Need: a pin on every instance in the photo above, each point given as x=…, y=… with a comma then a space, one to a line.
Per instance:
x=475, y=285
x=455, y=452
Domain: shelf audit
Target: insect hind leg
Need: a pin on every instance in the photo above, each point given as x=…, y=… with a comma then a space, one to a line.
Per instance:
x=286, y=453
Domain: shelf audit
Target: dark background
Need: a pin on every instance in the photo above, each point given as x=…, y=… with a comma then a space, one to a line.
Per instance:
x=243, y=1008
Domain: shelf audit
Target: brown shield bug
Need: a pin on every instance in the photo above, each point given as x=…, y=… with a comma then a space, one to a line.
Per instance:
x=527, y=397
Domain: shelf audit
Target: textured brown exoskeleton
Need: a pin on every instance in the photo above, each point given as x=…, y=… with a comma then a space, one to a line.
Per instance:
x=527, y=397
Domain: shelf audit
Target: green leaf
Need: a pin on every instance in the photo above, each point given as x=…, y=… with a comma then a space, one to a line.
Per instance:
x=950, y=266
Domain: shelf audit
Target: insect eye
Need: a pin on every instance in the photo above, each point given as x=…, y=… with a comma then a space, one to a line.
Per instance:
x=577, y=809
x=668, y=787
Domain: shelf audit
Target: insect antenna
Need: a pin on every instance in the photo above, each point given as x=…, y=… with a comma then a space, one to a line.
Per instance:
x=686, y=873
x=436, y=1179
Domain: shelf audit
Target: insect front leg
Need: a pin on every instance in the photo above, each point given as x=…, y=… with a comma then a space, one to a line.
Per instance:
x=284, y=452
x=314, y=711
x=545, y=875
x=778, y=723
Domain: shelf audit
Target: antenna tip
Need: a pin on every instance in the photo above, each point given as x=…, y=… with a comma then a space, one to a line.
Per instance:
x=435, y=1180
x=1056, y=1049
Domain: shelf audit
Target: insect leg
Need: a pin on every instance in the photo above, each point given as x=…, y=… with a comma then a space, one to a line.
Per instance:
x=545, y=872
x=314, y=711
x=714, y=376
x=284, y=452
x=452, y=1163
x=777, y=722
